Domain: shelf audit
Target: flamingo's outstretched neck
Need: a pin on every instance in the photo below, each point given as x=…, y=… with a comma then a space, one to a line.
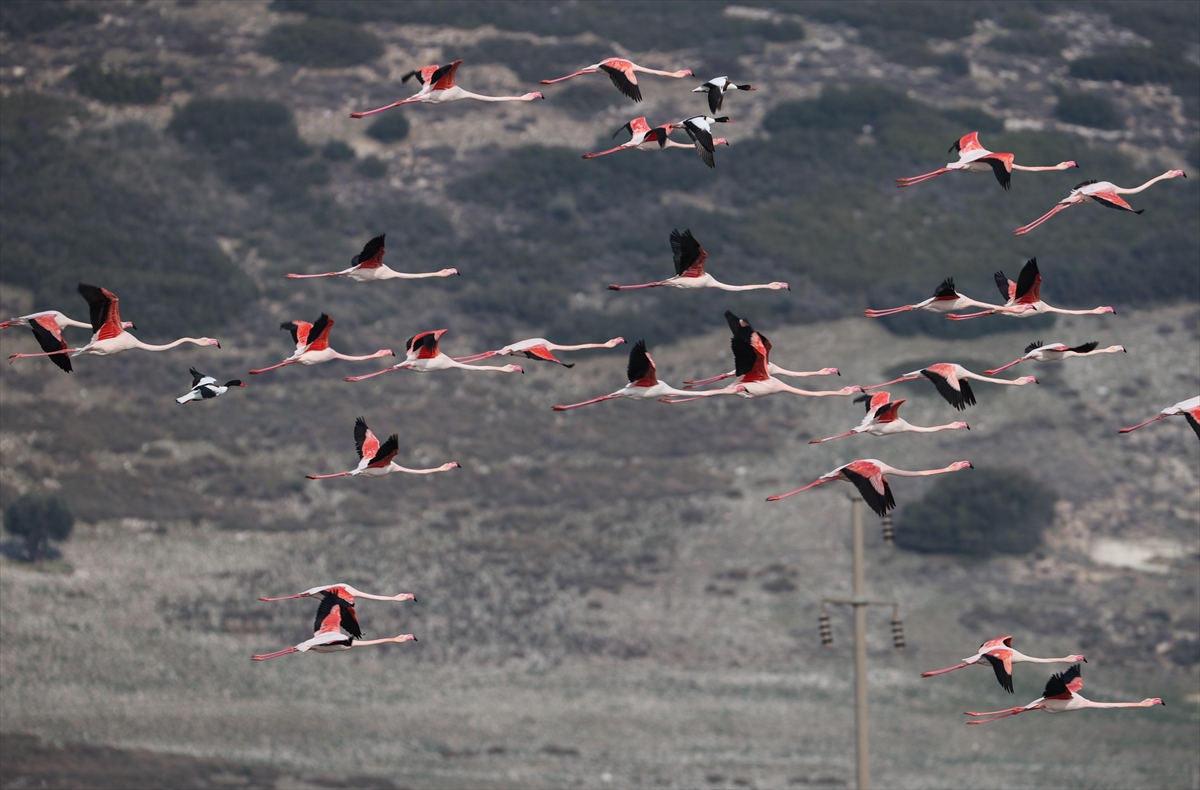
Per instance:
x=1156, y=179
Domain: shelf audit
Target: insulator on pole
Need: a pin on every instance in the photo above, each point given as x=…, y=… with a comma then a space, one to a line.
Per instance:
x=826, y=629
x=897, y=632
x=889, y=534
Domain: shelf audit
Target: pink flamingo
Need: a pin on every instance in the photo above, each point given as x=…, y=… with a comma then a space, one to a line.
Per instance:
x=1103, y=192
x=1190, y=409
x=689, y=269
x=345, y=592
x=423, y=356
x=644, y=384
x=368, y=266
x=699, y=128
x=944, y=300
x=1056, y=352
x=951, y=382
x=643, y=138
x=869, y=476
x=736, y=325
x=1024, y=297
x=377, y=460
x=312, y=345
x=716, y=88
x=623, y=74
x=1000, y=654
x=540, y=348
x=974, y=158
x=108, y=331
x=47, y=327
x=335, y=613
x=883, y=420
x=439, y=88
x=1061, y=696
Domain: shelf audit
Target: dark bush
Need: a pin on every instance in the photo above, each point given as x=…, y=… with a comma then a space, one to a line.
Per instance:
x=371, y=167
x=117, y=87
x=532, y=62
x=1044, y=45
x=1138, y=65
x=389, y=127
x=955, y=64
x=1088, y=109
x=37, y=521
x=20, y=18
x=337, y=151
x=324, y=44
x=922, y=17
x=978, y=513
x=1193, y=154
x=256, y=128
x=846, y=109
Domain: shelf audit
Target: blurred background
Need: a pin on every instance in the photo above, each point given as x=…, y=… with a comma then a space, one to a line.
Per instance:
x=605, y=597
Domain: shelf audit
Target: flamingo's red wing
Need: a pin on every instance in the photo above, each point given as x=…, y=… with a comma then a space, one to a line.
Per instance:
x=640, y=370
x=443, y=78
x=49, y=337
x=371, y=256
x=638, y=126
x=299, y=331
x=623, y=77
x=1112, y=200
x=967, y=143
x=319, y=333
x=385, y=452
x=871, y=484
x=105, y=314
x=890, y=412
x=1029, y=284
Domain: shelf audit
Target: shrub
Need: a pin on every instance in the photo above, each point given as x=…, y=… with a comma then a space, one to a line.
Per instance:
x=1139, y=65
x=1044, y=45
x=371, y=167
x=20, y=18
x=1088, y=109
x=256, y=128
x=389, y=128
x=117, y=87
x=337, y=151
x=978, y=514
x=1193, y=154
x=37, y=521
x=846, y=109
x=327, y=44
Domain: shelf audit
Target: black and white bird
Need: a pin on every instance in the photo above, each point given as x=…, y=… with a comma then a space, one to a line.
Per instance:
x=716, y=88
x=699, y=128
x=205, y=387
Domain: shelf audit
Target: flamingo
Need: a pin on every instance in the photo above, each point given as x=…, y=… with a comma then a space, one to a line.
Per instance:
x=335, y=613
x=883, y=420
x=312, y=345
x=1024, y=297
x=1105, y=193
x=377, y=460
x=951, y=382
x=438, y=87
x=344, y=592
x=1060, y=696
x=58, y=318
x=623, y=74
x=47, y=327
x=751, y=356
x=735, y=324
x=975, y=158
x=423, y=356
x=1000, y=654
x=368, y=266
x=540, y=348
x=205, y=387
x=644, y=384
x=716, y=89
x=108, y=330
x=1056, y=352
x=699, y=128
x=1190, y=409
x=869, y=476
x=945, y=299
x=640, y=133
x=689, y=269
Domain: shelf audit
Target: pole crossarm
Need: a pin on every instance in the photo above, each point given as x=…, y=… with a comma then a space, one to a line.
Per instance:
x=856, y=601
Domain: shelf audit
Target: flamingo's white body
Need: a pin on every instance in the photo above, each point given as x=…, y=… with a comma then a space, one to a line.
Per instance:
x=540, y=348
x=368, y=266
x=344, y=591
x=376, y=460
x=47, y=327
x=974, y=158
x=944, y=300
x=424, y=356
x=440, y=88
x=689, y=259
x=1056, y=352
x=1062, y=696
x=623, y=74
x=312, y=345
x=869, y=476
x=952, y=382
x=58, y=318
x=1190, y=409
x=1105, y=193
x=883, y=420
x=1025, y=298
x=1001, y=655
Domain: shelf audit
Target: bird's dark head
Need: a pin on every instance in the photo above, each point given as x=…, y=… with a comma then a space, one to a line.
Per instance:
x=234, y=383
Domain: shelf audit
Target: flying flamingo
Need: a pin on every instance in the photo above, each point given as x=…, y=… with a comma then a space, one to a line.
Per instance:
x=1000, y=654
x=345, y=592
x=47, y=327
x=312, y=345
x=1190, y=409
x=1105, y=193
x=368, y=266
x=870, y=478
x=716, y=89
x=423, y=356
x=1056, y=352
x=108, y=330
x=736, y=324
x=540, y=348
x=623, y=75
x=377, y=460
x=944, y=300
x=699, y=128
x=883, y=420
x=640, y=132
x=439, y=88
x=644, y=384
x=205, y=387
x=1062, y=695
x=951, y=382
x=975, y=158
x=1025, y=297
x=58, y=318
x=335, y=613
x=689, y=269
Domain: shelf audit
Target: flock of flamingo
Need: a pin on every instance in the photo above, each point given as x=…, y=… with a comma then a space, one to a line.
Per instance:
x=336, y=627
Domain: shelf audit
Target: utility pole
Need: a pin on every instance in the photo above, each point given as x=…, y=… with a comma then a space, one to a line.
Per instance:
x=860, y=602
